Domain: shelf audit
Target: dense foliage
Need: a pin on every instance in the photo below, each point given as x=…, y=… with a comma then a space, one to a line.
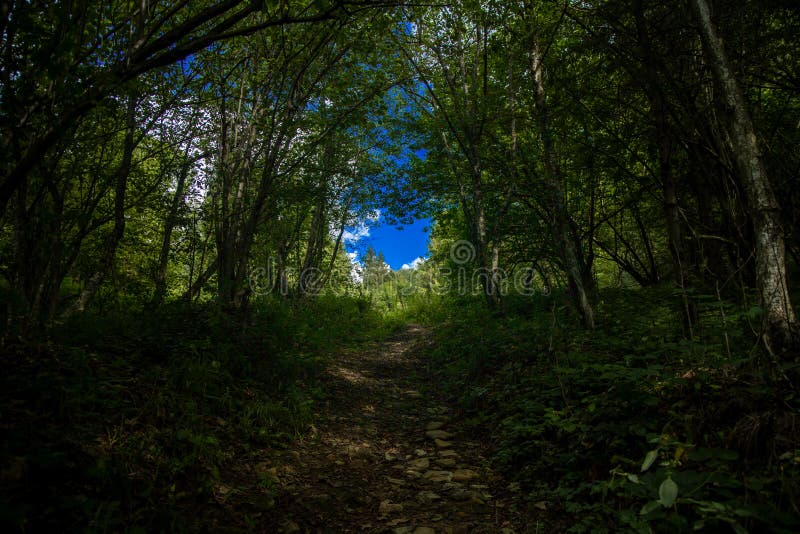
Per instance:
x=611, y=268
x=596, y=429
x=128, y=422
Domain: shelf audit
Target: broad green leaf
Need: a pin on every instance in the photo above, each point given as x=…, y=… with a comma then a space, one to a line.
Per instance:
x=649, y=459
x=667, y=492
x=649, y=507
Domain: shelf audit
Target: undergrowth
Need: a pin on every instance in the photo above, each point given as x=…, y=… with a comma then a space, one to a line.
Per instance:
x=137, y=422
x=630, y=427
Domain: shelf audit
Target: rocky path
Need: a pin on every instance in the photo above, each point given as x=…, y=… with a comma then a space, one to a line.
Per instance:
x=387, y=457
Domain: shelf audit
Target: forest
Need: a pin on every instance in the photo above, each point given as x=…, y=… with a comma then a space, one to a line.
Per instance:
x=601, y=336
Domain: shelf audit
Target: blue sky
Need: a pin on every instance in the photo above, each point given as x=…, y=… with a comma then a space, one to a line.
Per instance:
x=400, y=245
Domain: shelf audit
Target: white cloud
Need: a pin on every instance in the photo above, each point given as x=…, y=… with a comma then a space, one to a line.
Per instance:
x=355, y=235
x=361, y=230
x=356, y=270
x=414, y=264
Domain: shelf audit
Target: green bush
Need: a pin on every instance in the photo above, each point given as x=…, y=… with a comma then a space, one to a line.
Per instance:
x=128, y=420
x=576, y=416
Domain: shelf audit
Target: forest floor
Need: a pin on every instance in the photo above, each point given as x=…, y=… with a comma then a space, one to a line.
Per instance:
x=388, y=455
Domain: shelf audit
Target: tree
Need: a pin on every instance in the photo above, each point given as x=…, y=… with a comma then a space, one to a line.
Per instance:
x=563, y=234
x=78, y=55
x=780, y=323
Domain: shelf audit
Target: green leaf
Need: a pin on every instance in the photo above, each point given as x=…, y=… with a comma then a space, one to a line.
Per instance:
x=649, y=459
x=649, y=507
x=667, y=492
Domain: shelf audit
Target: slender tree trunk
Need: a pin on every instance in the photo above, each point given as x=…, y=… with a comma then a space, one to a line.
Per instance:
x=664, y=145
x=672, y=213
x=169, y=225
x=780, y=323
x=652, y=273
x=122, y=173
x=202, y=279
x=496, y=280
x=555, y=188
x=281, y=279
x=224, y=221
x=308, y=281
x=327, y=275
x=482, y=242
x=193, y=247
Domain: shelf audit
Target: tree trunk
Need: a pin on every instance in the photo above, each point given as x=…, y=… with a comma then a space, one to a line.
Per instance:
x=780, y=332
x=485, y=274
x=555, y=189
x=169, y=225
x=121, y=175
x=680, y=264
x=310, y=276
x=197, y=286
x=338, y=244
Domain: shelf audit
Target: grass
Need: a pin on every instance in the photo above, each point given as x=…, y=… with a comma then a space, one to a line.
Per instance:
x=575, y=416
x=154, y=421
x=140, y=422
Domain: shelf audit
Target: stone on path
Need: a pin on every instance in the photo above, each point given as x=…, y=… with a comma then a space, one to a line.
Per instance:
x=388, y=507
x=438, y=476
x=412, y=530
x=434, y=425
x=463, y=475
x=421, y=463
x=290, y=527
x=442, y=444
x=439, y=434
x=427, y=497
x=461, y=494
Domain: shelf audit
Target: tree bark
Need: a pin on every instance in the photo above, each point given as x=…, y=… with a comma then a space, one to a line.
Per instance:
x=121, y=175
x=555, y=189
x=340, y=234
x=169, y=225
x=780, y=329
x=198, y=284
x=310, y=276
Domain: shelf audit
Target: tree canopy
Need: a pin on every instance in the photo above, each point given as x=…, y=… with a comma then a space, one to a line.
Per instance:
x=218, y=155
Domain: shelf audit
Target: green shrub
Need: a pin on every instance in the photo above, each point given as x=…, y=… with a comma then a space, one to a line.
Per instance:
x=575, y=416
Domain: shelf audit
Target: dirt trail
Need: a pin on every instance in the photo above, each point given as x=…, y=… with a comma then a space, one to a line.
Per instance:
x=387, y=456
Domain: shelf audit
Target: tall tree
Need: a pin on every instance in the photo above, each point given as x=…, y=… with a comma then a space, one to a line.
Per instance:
x=781, y=332
x=569, y=251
